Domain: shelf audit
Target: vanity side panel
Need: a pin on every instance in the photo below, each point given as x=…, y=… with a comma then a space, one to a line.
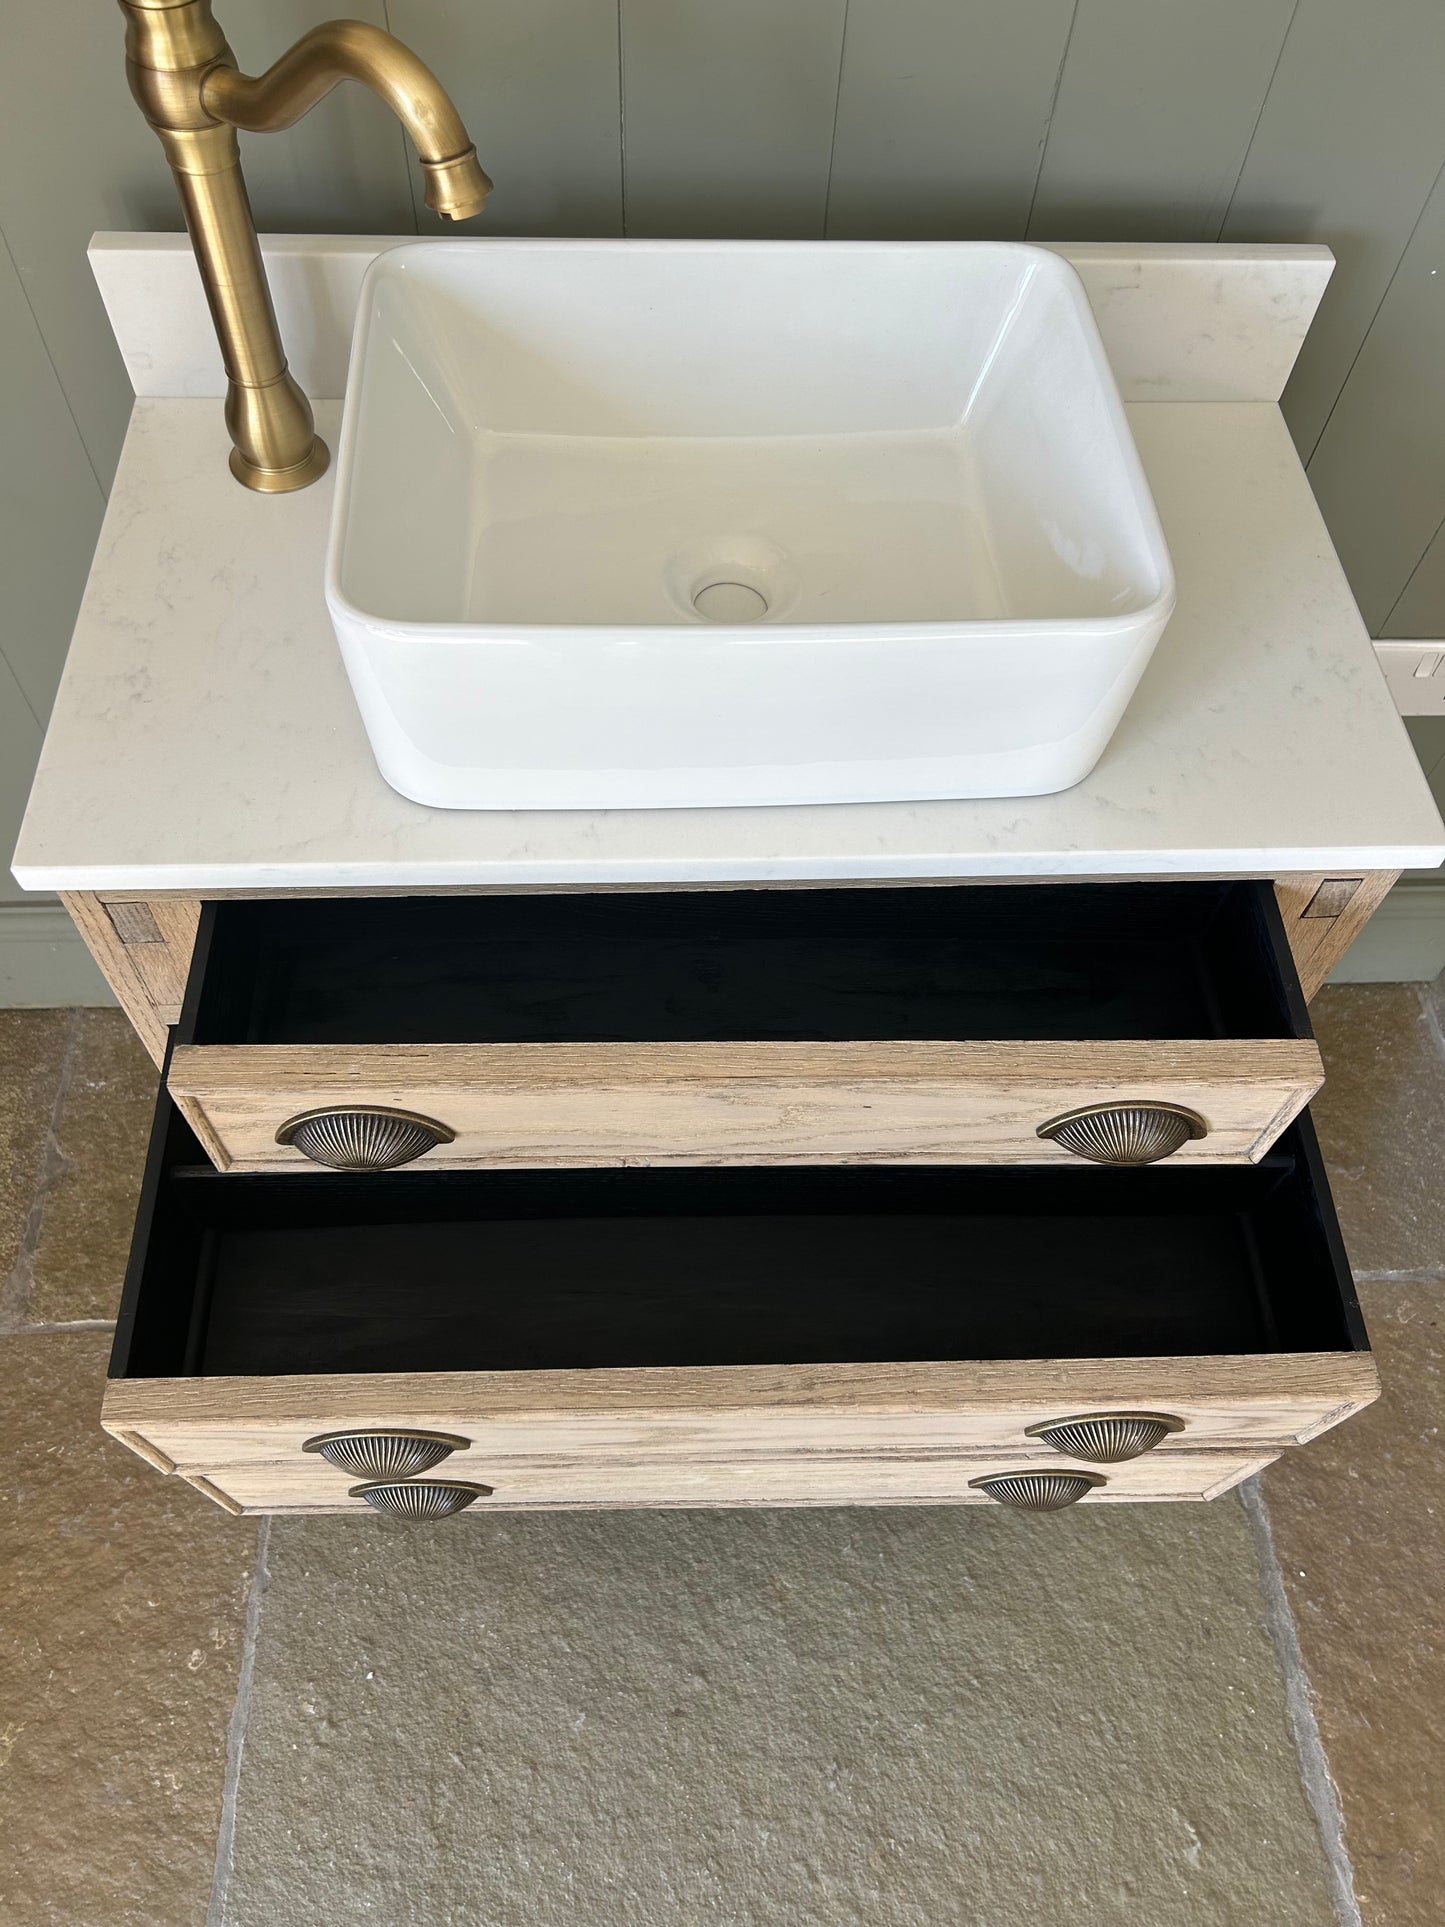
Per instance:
x=1323, y=914
x=143, y=948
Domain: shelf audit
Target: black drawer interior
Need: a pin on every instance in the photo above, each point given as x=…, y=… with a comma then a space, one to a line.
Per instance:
x=965, y=962
x=522, y=1270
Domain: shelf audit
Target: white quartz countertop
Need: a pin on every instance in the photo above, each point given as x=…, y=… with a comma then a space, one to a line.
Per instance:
x=205, y=738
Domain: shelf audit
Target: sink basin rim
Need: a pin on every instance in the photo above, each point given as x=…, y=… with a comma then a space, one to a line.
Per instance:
x=952, y=630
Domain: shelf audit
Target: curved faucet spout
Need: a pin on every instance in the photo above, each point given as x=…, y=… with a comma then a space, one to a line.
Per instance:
x=456, y=187
x=184, y=79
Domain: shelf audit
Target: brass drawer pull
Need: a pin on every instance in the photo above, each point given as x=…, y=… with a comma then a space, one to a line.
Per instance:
x=1106, y=1438
x=1124, y=1133
x=385, y=1455
x=421, y=1498
x=1037, y=1491
x=363, y=1138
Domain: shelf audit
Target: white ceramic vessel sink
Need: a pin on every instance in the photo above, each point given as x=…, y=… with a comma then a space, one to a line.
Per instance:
x=636, y=524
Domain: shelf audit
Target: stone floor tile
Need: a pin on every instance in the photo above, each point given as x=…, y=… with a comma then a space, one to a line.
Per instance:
x=1359, y=1530
x=864, y=1718
x=89, y=1207
x=32, y=1048
x=1434, y=995
x=120, y=1636
x=1381, y=1119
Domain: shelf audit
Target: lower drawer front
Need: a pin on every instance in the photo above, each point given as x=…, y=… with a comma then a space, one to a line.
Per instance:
x=740, y=1412
x=755, y=1336
x=826, y=1479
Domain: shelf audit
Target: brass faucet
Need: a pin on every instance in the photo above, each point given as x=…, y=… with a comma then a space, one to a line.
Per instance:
x=185, y=81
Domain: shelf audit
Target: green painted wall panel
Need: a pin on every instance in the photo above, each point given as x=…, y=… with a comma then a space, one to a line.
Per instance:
x=75, y=156
x=1156, y=108
x=728, y=115
x=1427, y=733
x=1378, y=470
x=942, y=115
x=50, y=505
x=1420, y=609
x=1350, y=140
x=1105, y=119
x=19, y=751
x=537, y=84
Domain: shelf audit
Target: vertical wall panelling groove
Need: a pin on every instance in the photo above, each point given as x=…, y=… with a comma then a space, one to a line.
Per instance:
x=20, y=736
x=1350, y=140
x=50, y=510
x=1254, y=130
x=63, y=66
x=837, y=102
x=621, y=117
x=1049, y=119
x=941, y=116
x=729, y=115
x=1154, y=114
x=1419, y=609
x=12, y=274
x=536, y=84
x=1378, y=469
x=413, y=186
x=1374, y=317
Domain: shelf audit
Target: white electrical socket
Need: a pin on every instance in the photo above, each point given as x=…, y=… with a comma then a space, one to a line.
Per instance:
x=1415, y=672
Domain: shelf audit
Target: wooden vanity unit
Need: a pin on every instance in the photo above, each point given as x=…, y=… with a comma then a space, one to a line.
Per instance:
x=742, y=1197
x=744, y=1157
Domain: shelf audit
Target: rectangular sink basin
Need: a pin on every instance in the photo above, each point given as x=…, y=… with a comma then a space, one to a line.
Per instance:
x=636, y=524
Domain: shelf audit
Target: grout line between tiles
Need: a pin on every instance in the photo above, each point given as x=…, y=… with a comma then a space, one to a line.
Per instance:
x=63, y=1325
x=15, y=1291
x=1427, y=1002
x=236, y=1731
x=1411, y=1275
x=1314, y=1770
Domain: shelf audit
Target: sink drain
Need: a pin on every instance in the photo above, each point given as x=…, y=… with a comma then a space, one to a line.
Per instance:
x=730, y=602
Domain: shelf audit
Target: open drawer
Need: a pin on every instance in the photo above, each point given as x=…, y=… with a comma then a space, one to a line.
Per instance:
x=734, y=1336
x=970, y=1024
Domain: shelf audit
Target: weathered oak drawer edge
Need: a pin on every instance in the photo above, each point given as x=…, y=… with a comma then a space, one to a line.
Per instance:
x=1268, y=1400
x=602, y=1104
x=936, y=1027
x=304, y=1486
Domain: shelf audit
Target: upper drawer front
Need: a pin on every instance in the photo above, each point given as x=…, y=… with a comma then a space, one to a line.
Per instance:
x=601, y=1104
x=936, y=1025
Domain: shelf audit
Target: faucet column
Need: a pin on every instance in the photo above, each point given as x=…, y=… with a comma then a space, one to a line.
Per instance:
x=170, y=47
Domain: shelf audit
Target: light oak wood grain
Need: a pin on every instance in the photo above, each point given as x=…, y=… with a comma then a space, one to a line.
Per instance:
x=143, y=949
x=210, y=1490
x=898, y=1479
x=1257, y=1403
x=1295, y=889
x=738, y=1103
x=1324, y=913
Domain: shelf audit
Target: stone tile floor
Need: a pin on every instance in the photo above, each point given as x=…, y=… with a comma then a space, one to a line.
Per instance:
x=1223, y=1716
